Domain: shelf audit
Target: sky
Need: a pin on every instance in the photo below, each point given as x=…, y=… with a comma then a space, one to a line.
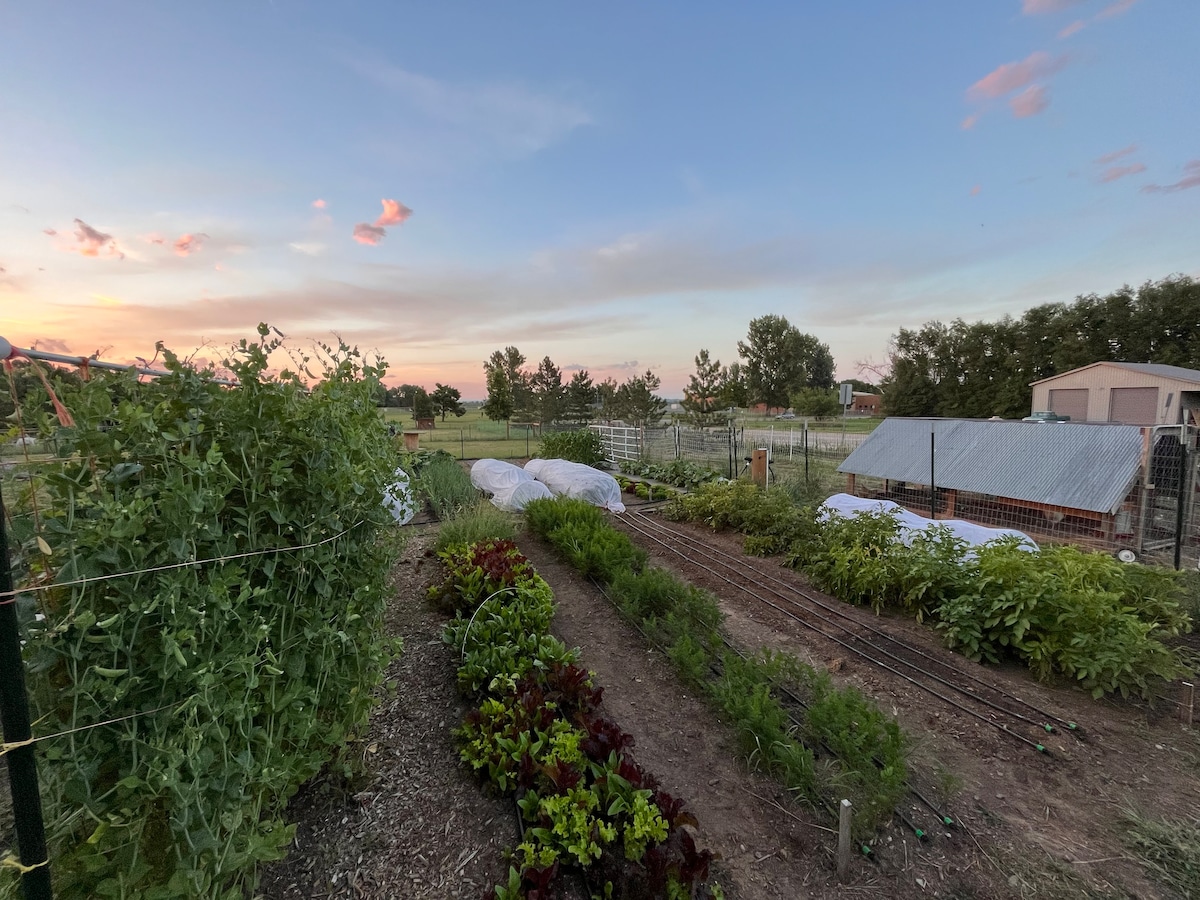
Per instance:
x=615, y=186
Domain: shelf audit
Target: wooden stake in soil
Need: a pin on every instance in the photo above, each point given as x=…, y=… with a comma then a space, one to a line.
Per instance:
x=1187, y=702
x=843, y=856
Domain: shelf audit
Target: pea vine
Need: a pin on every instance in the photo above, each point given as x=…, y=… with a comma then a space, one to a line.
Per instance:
x=198, y=697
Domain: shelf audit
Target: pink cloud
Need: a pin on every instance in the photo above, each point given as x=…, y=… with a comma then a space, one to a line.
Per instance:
x=92, y=241
x=1191, y=179
x=365, y=233
x=49, y=231
x=1031, y=101
x=188, y=244
x=969, y=122
x=1041, y=7
x=1120, y=7
x=394, y=213
x=318, y=204
x=1114, y=156
x=975, y=190
x=154, y=239
x=1013, y=76
x=1115, y=172
x=1074, y=28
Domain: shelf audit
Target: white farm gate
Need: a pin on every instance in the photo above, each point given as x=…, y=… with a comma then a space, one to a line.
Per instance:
x=619, y=442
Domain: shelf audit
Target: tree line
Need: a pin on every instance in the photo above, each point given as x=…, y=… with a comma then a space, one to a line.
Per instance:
x=515, y=393
x=982, y=369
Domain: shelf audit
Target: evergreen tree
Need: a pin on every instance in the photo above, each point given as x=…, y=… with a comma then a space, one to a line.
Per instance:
x=447, y=399
x=547, y=392
x=581, y=398
x=701, y=396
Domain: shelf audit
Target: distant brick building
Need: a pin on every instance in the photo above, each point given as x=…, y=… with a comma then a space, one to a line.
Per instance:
x=865, y=404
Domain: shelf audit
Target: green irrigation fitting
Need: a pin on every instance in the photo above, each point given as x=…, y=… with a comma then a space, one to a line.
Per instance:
x=947, y=821
x=867, y=851
x=1049, y=728
x=921, y=835
x=1040, y=748
x=1072, y=725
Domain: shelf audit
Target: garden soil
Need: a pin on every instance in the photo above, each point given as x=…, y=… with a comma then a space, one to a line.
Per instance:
x=416, y=823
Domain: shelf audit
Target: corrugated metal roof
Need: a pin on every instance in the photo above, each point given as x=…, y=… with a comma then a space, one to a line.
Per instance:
x=1160, y=369
x=1066, y=464
x=1164, y=371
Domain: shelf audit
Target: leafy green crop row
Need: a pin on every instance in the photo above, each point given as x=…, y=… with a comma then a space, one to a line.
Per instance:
x=1061, y=610
x=201, y=696
x=539, y=733
x=680, y=472
x=582, y=446
x=865, y=751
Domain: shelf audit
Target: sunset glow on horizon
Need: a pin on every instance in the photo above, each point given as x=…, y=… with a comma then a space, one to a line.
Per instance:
x=616, y=187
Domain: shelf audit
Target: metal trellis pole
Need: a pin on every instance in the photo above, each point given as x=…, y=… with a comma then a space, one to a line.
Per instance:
x=22, y=763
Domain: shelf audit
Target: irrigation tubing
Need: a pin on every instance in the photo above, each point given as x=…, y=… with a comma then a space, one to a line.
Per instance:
x=716, y=670
x=1040, y=748
x=916, y=651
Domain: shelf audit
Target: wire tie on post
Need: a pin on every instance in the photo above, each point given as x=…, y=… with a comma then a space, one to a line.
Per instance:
x=11, y=862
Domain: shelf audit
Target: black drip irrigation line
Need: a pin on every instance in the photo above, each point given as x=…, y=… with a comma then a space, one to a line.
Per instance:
x=716, y=670
x=917, y=651
x=1040, y=748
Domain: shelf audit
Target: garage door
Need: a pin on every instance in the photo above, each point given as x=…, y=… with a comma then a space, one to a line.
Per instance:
x=1071, y=403
x=1133, y=406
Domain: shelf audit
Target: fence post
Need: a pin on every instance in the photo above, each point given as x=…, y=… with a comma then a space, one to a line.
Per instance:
x=1184, y=491
x=22, y=763
x=806, y=451
x=932, y=489
x=843, y=852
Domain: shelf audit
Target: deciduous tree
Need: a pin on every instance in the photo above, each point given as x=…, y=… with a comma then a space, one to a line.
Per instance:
x=447, y=399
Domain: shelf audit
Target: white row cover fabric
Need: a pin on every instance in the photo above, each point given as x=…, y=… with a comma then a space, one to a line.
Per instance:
x=513, y=499
x=511, y=486
x=495, y=475
x=570, y=479
x=910, y=523
x=399, y=500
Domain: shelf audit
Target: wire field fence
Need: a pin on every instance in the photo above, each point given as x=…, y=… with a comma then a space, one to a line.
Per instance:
x=192, y=590
x=797, y=453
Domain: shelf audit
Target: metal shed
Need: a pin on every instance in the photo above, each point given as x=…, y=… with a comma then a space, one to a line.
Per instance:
x=1109, y=486
x=1129, y=393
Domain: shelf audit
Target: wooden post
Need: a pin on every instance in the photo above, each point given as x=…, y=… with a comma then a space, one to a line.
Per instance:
x=850, y=483
x=758, y=467
x=843, y=856
x=951, y=497
x=1187, y=702
x=412, y=440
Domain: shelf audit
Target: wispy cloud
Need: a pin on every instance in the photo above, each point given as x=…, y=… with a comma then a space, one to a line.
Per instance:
x=1190, y=179
x=1074, y=28
x=188, y=244
x=394, y=213
x=970, y=121
x=1115, y=173
x=318, y=204
x=1009, y=77
x=515, y=118
x=50, y=231
x=1041, y=7
x=308, y=248
x=91, y=241
x=1115, y=155
x=1120, y=7
x=366, y=233
x=975, y=191
x=1030, y=102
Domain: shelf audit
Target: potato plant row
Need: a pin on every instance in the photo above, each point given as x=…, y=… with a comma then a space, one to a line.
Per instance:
x=538, y=732
x=1060, y=610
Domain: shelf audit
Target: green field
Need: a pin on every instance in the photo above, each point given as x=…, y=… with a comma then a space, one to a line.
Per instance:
x=472, y=436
